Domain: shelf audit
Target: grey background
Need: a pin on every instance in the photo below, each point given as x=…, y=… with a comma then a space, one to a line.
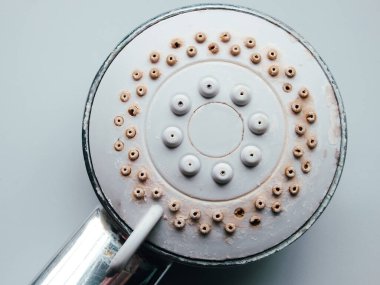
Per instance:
x=49, y=54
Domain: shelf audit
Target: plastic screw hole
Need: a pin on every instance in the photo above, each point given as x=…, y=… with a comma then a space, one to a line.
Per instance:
x=239, y=212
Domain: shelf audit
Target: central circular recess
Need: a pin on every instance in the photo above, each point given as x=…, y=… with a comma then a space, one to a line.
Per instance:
x=215, y=129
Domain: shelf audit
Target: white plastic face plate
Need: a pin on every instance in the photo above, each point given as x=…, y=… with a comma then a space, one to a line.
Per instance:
x=226, y=120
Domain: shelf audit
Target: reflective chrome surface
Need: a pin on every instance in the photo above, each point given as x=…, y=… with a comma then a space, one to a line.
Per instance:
x=86, y=258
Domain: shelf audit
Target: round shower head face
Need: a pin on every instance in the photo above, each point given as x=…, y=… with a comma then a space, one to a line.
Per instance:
x=225, y=118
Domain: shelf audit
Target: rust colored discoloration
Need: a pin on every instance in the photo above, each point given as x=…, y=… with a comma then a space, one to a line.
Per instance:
x=118, y=121
x=230, y=228
x=306, y=166
x=118, y=145
x=154, y=73
x=300, y=129
x=179, y=222
x=250, y=42
x=213, y=48
x=217, y=216
x=312, y=142
x=303, y=93
x=225, y=37
x=204, y=228
x=294, y=189
x=255, y=58
x=133, y=154
x=142, y=175
x=124, y=96
x=311, y=117
x=134, y=109
x=137, y=75
x=125, y=170
x=239, y=213
x=157, y=193
x=290, y=72
x=171, y=59
x=276, y=207
x=276, y=190
x=176, y=43
x=272, y=54
x=287, y=87
x=154, y=57
x=273, y=70
x=260, y=203
x=296, y=107
x=334, y=133
x=130, y=132
x=139, y=193
x=255, y=220
x=195, y=214
x=200, y=37
x=235, y=50
x=191, y=51
x=298, y=152
x=290, y=172
x=174, y=205
x=141, y=90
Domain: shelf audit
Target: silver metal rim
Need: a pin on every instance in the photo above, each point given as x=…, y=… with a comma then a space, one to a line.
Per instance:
x=87, y=153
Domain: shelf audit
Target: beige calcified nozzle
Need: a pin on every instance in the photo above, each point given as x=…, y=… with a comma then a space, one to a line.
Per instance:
x=225, y=119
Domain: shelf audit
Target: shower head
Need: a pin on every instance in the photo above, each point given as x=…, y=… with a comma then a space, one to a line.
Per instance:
x=228, y=120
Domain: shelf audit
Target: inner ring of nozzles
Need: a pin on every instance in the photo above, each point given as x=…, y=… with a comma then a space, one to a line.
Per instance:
x=215, y=130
